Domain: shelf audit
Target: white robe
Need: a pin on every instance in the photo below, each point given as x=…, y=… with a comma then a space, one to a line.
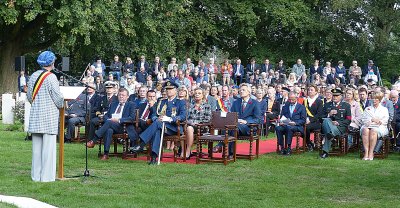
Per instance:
x=380, y=113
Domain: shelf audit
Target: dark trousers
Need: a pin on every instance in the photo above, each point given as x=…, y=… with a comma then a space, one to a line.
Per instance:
x=287, y=131
x=238, y=80
x=153, y=134
x=268, y=118
x=109, y=128
x=71, y=123
x=92, y=128
x=310, y=128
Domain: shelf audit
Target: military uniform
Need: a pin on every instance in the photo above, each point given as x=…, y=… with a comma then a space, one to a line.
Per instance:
x=78, y=108
x=174, y=110
x=343, y=117
x=101, y=109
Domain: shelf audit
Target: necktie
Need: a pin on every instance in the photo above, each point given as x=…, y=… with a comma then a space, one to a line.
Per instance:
x=119, y=108
x=146, y=113
x=243, y=106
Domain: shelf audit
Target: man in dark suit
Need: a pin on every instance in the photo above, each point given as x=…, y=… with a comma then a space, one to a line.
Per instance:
x=337, y=118
x=331, y=78
x=238, y=72
x=147, y=110
x=248, y=112
x=363, y=95
x=74, y=115
x=156, y=67
x=251, y=69
x=120, y=112
x=369, y=67
x=266, y=66
x=314, y=107
x=142, y=63
x=100, y=110
x=168, y=111
x=295, y=115
x=394, y=96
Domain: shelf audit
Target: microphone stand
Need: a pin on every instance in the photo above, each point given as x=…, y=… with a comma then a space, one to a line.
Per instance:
x=86, y=173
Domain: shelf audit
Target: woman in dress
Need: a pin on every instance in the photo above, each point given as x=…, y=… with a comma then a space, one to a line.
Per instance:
x=199, y=112
x=226, y=70
x=355, y=113
x=375, y=119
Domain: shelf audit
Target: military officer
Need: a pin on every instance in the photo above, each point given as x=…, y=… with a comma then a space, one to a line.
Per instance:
x=75, y=114
x=337, y=118
x=168, y=111
x=101, y=110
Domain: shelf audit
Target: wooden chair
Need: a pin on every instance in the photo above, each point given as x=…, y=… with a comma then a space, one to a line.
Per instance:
x=339, y=146
x=178, y=138
x=317, y=139
x=124, y=138
x=77, y=137
x=255, y=134
x=229, y=124
x=355, y=133
x=299, y=149
x=384, y=153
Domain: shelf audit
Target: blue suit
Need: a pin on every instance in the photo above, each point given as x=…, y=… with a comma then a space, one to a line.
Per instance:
x=298, y=116
x=238, y=79
x=176, y=109
x=251, y=113
x=109, y=127
x=265, y=68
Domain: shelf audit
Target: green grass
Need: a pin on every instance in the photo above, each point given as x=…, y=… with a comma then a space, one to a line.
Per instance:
x=271, y=181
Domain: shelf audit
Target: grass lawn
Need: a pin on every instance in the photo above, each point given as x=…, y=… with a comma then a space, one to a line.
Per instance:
x=271, y=181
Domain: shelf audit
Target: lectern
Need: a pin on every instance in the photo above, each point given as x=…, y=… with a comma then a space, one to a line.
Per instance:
x=69, y=93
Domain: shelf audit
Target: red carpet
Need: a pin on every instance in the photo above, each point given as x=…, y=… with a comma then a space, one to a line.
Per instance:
x=266, y=146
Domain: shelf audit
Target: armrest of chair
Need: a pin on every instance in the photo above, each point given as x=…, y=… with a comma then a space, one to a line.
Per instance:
x=253, y=125
x=230, y=126
x=203, y=124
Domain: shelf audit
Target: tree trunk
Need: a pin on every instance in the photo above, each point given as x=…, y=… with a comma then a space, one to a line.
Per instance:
x=8, y=75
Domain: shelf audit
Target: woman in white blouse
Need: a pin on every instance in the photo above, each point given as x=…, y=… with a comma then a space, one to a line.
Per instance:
x=375, y=119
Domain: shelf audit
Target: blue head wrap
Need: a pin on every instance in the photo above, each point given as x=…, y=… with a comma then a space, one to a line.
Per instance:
x=46, y=58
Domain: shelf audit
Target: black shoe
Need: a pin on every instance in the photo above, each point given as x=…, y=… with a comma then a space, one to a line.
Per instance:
x=324, y=155
x=283, y=151
x=289, y=151
x=67, y=141
x=179, y=150
x=310, y=147
x=153, y=160
x=136, y=149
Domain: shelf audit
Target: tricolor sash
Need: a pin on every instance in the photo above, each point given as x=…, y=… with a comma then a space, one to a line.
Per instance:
x=222, y=105
x=38, y=83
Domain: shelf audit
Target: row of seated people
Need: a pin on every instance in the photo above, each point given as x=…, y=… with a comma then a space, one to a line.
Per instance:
x=271, y=105
x=337, y=116
x=167, y=111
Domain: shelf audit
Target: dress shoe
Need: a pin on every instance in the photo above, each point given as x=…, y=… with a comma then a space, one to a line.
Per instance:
x=217, y=149
x=283, y=151
x=153, y=160
x=289, y=151
x=104, y=157
x=136, y=149
x=90, y=144
x=230, y=157
x=310, y=147
x=324, y=155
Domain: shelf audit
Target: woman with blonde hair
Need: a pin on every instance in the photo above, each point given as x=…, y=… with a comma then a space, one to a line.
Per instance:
x=198, y=112
x=226, y=70
x=291, y=79
x=375, y=119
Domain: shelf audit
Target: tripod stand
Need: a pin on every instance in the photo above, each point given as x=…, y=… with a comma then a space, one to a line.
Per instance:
x=86, y=172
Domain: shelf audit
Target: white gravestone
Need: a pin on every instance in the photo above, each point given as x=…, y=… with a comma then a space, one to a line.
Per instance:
x=6, y=109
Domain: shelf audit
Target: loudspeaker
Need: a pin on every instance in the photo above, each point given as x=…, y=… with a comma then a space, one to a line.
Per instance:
x=20, y=63
x=65, y=64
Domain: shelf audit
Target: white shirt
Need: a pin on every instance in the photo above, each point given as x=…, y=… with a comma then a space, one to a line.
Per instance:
x=238, y=70
x=22, y=81
x=310, y=101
